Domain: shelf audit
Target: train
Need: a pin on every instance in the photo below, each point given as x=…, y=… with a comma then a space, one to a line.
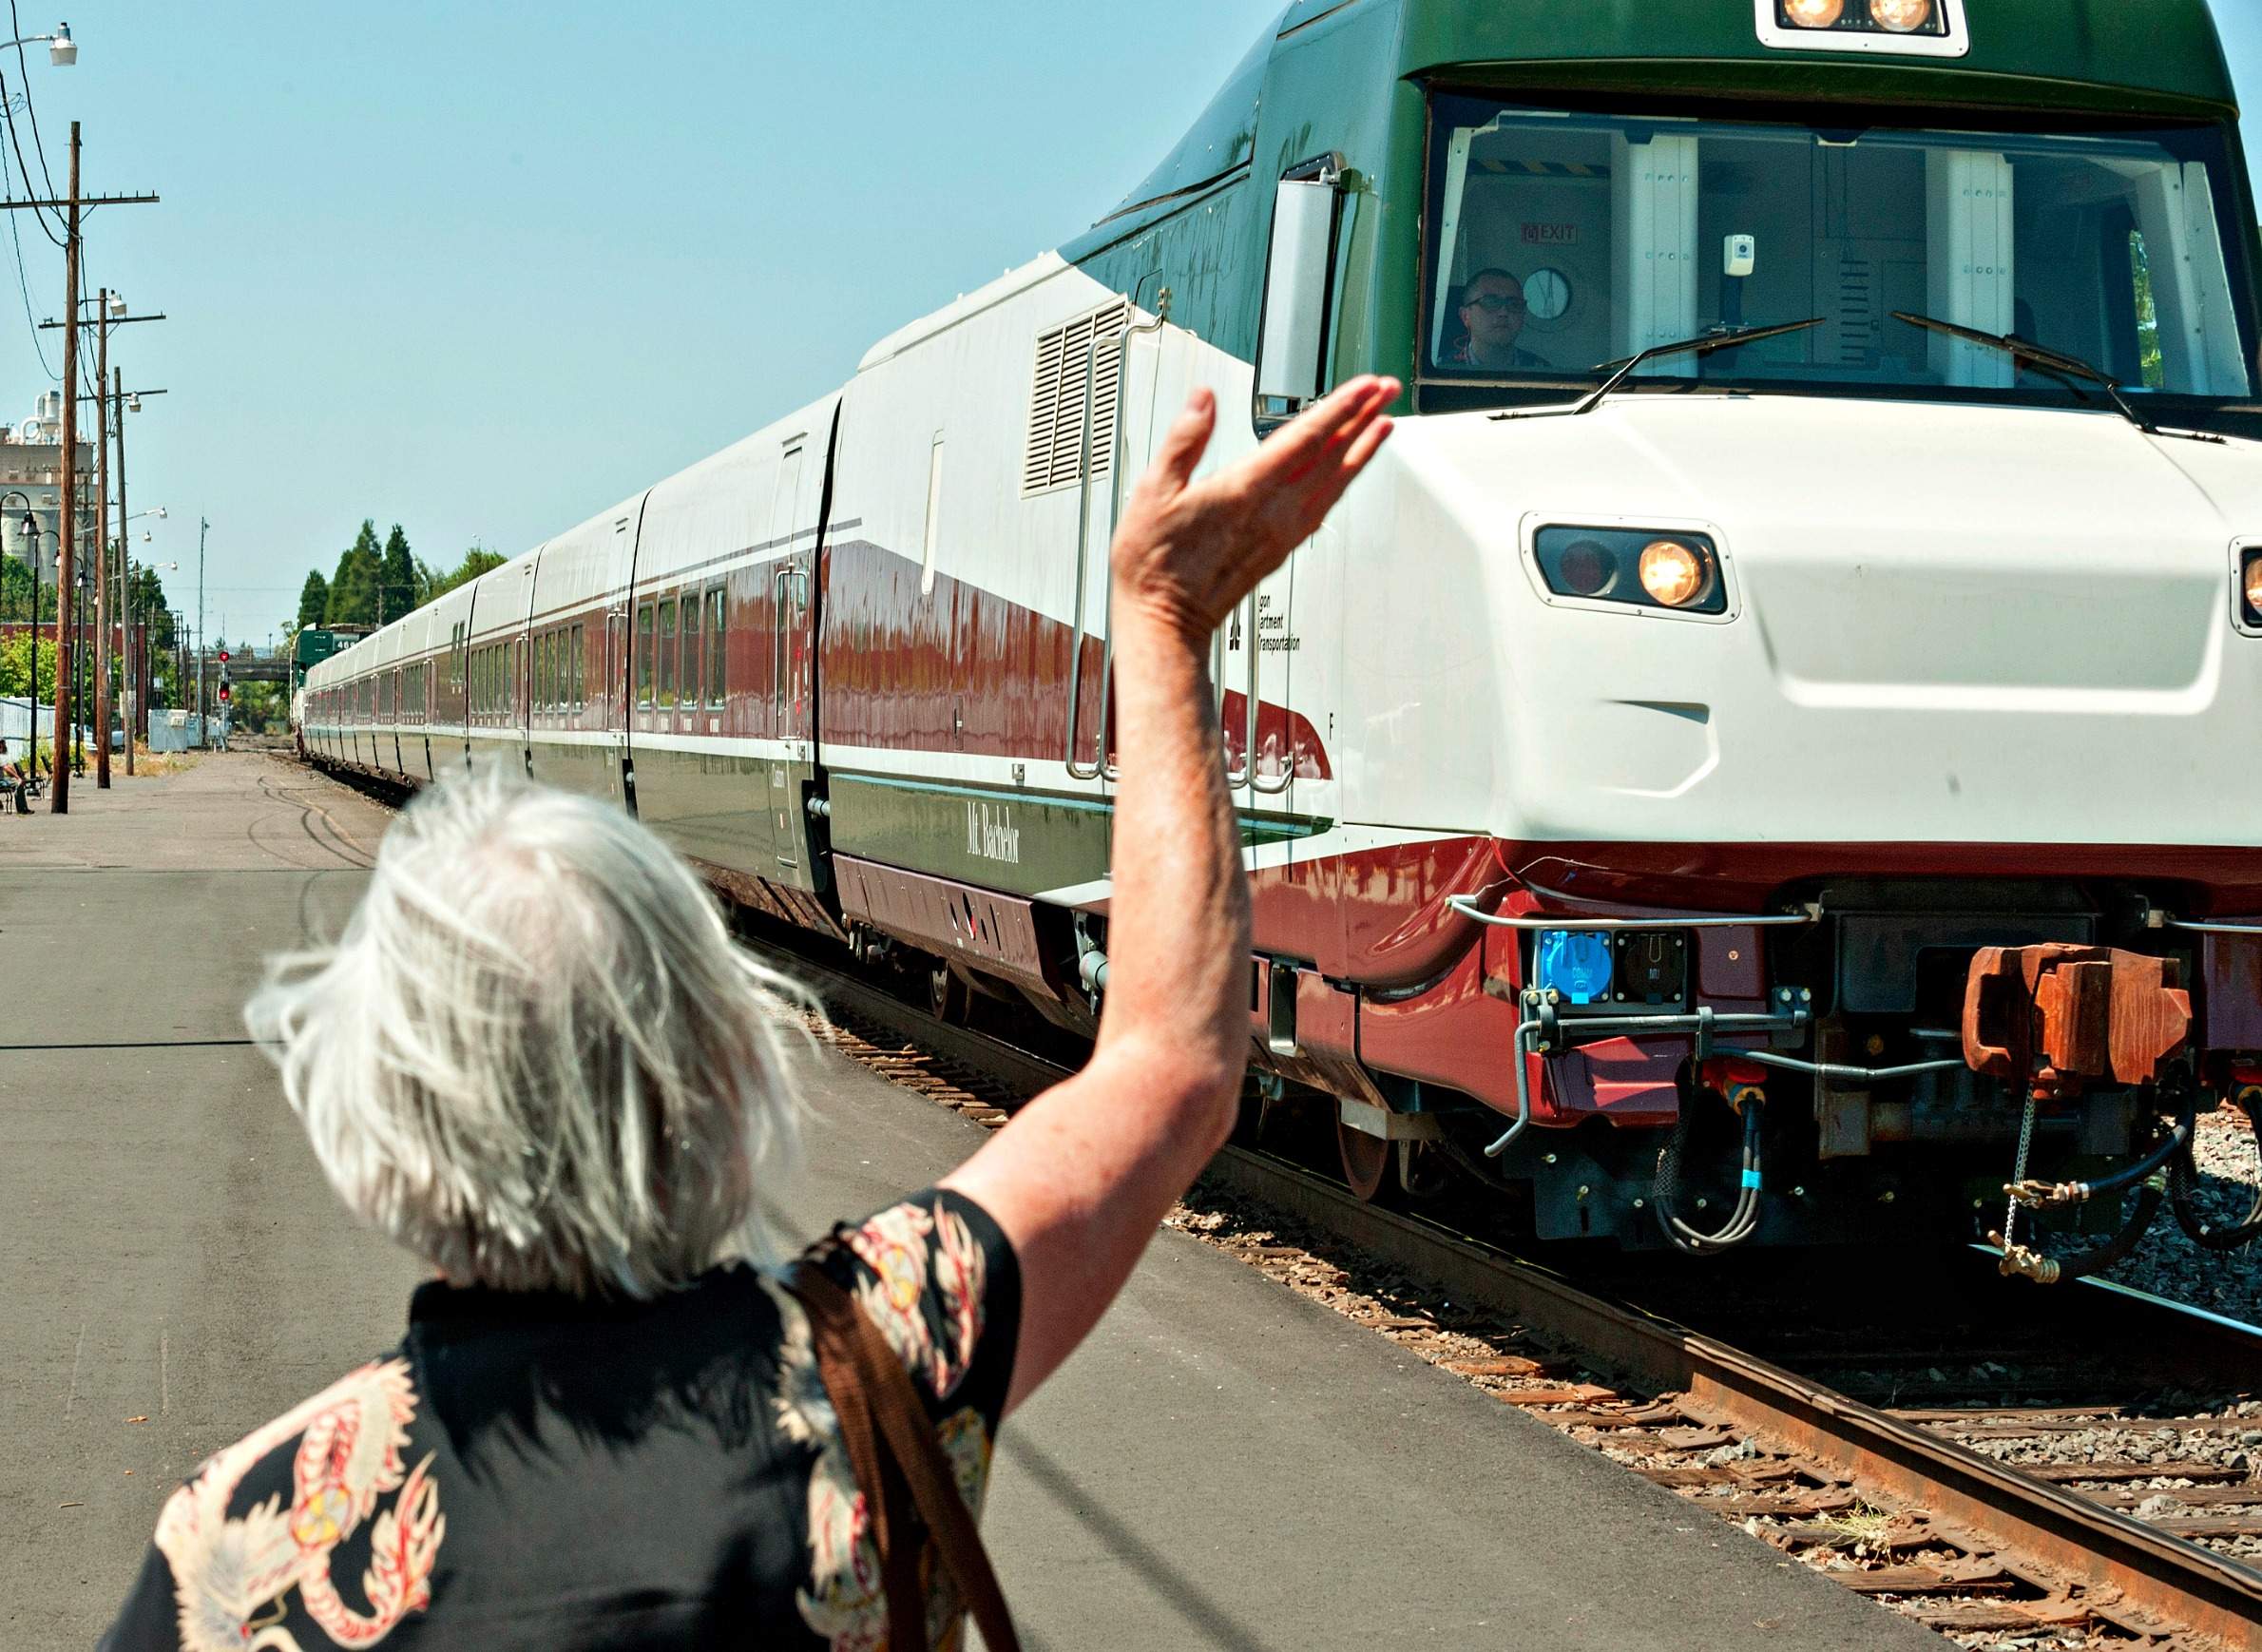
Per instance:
x=1764, y=758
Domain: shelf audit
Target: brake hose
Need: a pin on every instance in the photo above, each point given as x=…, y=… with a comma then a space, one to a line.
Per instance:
x=2183, y=1183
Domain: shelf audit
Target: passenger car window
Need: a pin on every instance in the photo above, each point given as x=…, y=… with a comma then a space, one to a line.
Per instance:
x=692, y=664
x=718, y=653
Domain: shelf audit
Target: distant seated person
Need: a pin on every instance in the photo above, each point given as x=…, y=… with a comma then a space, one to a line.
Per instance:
x=13, y=778
x=1492, y=312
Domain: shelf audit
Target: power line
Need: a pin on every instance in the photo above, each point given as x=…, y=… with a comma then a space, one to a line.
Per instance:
x=31, y=114
x=15, y=234
x=23, y=287
x=15, y=142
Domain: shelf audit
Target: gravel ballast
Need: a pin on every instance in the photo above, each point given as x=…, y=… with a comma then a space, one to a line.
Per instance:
x=2169, y=1264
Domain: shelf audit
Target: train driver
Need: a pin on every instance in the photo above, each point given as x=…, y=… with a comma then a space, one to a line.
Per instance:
x=1492, y=312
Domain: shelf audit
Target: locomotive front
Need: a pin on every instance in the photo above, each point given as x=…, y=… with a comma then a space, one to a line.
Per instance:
x=1868, y=648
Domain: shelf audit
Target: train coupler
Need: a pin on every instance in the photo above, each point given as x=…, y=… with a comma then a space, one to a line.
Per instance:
x=2058, y=1018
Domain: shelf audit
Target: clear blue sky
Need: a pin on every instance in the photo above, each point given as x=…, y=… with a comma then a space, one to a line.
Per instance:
x=486, y=268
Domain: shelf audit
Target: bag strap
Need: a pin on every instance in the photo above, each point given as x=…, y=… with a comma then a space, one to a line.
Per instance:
x=867, y=1381
x=885, y=1495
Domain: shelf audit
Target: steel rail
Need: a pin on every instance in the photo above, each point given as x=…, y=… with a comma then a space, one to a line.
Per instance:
x=2177, y=1582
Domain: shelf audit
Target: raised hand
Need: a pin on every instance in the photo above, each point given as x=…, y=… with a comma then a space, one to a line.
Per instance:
x=1186, y=551
x=1082, y=1176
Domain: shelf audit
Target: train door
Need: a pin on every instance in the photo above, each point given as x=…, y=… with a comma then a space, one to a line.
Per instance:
x=612, y=701
x=400, y=714
x=522, y=677
x=1302, y=279
x=1092, y=392
x=793, y=699
x=1155, y=375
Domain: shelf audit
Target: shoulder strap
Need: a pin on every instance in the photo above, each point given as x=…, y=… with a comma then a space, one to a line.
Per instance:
x=867, y=1381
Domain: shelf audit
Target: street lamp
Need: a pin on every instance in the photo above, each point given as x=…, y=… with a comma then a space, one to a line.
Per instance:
x=62, y=51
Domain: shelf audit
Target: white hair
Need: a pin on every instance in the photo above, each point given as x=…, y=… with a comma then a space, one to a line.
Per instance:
x=536, y=1058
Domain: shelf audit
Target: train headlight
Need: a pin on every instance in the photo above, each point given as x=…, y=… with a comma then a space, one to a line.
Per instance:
x=1639, y=568
x=1902, y=16
x=1587, y=568
x=1676, y=575
x=2249, y=586
x=1854, y=18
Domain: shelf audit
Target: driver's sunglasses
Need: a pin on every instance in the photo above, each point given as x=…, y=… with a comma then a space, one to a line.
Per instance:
x=1498, y=302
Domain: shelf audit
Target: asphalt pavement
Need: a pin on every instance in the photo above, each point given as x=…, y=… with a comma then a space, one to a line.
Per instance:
x=1224, y=1465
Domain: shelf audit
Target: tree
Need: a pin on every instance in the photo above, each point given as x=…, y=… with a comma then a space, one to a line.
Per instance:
x=16, y=593
x=152, y=610
x=15, y=666
x=313, y=599
x=477, y=560
x=354, y=587
x=396, y=587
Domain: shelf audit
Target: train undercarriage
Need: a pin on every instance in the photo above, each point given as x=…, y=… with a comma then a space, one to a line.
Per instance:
x=2022, y=1064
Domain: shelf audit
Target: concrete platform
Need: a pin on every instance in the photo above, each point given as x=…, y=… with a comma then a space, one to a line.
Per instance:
x=1225, y=1465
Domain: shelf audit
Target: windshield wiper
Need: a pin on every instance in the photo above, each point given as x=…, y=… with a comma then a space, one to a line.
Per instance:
x=1704, y=344
x=2055, y=364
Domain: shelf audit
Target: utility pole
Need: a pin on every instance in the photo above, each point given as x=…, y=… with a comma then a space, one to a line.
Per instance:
x=60, y=797
x=102, y=540
x=133, y=670
x=203, y=729
x=106, y=604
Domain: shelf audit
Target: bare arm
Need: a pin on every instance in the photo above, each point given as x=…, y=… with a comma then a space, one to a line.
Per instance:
x=1082, y=1176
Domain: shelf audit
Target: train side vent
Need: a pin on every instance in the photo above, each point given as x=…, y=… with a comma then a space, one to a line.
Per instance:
x=1092, y=345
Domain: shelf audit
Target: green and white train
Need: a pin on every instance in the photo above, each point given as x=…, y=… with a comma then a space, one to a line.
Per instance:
x=1780, y=715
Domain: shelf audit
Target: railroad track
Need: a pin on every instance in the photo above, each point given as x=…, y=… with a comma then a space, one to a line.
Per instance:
x=1917, y=1506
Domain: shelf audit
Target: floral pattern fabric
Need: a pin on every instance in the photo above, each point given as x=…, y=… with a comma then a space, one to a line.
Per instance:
x=920, y=1280
x=535, y=1473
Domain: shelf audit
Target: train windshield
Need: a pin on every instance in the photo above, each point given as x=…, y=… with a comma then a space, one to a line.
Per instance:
x=1558, y=242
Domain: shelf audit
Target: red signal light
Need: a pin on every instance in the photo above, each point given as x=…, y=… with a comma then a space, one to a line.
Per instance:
x=223, y=655
x=224, y=693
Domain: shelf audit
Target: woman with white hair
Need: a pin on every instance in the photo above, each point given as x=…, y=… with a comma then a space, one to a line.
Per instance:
x=536, y=1060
